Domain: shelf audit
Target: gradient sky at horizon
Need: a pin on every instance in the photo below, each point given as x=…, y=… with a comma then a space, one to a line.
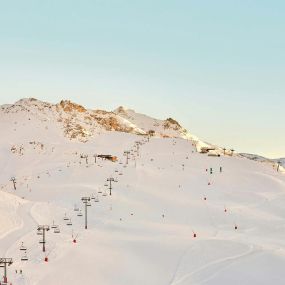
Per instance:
x=216, y=66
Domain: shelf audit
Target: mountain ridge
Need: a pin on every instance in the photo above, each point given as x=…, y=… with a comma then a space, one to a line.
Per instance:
x=78, y=122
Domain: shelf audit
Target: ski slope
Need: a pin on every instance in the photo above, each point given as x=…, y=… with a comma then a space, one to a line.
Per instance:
x=175, y=216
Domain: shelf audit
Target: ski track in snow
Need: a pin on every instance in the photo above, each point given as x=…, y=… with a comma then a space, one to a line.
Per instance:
x=27, y=223
x=220, y=262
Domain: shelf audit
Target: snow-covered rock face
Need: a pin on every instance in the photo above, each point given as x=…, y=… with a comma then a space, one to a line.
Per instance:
x=78, y=123
x=168, y=128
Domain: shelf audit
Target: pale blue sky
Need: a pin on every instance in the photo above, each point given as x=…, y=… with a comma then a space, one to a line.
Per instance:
x=217, y=66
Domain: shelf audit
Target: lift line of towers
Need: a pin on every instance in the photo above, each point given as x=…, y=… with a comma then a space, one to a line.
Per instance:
x=86, y=200
x=43, y=229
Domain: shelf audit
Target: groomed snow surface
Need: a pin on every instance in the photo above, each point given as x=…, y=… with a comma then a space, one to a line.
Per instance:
x=169, y=221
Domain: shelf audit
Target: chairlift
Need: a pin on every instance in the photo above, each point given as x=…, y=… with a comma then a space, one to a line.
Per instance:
x=23, y=247
x=76, y=209
x=56, y=230
x=53, y=226
x=24, y=257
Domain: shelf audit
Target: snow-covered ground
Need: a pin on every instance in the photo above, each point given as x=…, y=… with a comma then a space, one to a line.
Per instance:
x=175, y=216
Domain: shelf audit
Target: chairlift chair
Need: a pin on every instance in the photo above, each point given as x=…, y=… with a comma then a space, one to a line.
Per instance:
x=76, y=209
x=53, y=226
x=39, y=233
x=96, y=200
x=80, y=214
x=24, y=257
x=65, y=218
x=88, y=204
x=104, y=194
x=56, y=231
x=23, y=247
x=69, y=223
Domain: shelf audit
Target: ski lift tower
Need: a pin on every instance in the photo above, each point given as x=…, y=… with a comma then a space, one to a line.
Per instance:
x=127, y=153
x=137, y=143
x=3, y=263
x=110, y=180
x=43, y=229
x=85, y=200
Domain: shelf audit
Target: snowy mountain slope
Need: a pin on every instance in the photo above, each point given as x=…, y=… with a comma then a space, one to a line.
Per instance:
x=73, y=120
x=273, y=162
x=161, y=128
x=171, y=217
